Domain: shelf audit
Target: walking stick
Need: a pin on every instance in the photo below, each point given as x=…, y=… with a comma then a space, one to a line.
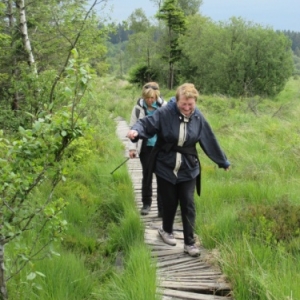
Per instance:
x=120, y=165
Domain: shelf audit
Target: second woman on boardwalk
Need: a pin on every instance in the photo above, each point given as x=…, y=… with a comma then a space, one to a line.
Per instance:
x=146, y=106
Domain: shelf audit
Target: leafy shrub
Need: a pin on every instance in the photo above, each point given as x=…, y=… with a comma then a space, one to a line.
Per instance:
x=141, y=74
x=277, y=224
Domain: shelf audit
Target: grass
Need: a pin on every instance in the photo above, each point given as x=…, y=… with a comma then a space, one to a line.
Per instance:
x=138, y=280
x=103, y=228
x=102, y=253
x=263, y=148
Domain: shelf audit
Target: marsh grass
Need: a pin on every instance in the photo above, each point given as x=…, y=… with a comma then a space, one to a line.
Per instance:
x=102, y=253
x=104, y=234
x=263, y=147
x=138, y=281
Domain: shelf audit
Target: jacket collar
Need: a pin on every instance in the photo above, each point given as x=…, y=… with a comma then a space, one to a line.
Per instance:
x=141, y=102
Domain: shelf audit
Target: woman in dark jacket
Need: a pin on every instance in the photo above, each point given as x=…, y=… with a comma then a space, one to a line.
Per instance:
x=179, y=127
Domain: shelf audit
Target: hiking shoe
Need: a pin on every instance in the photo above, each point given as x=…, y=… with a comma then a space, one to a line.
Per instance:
x=145, y=209
x=192, y=250
x=168, y=238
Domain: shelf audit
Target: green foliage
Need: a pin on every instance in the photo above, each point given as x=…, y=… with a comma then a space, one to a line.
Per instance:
x=67, y=25
x=249, y=216
x=138, y=21
x=274, y=225
x=268, y=274
x=34, y=157
x=189, y=7
x=235, y=58
x=141, y=74
x=75, y=281
x=137, y=281
x=296, y=65
x=175, y=22
x=99, y=204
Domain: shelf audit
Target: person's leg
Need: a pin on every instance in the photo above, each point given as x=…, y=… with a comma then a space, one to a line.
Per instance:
x=188, y=213
x=169, y=197
x=146, y=189
x=159, y=201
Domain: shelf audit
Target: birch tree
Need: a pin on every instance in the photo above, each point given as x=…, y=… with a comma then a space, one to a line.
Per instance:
x=20, y=4
x=42, y=34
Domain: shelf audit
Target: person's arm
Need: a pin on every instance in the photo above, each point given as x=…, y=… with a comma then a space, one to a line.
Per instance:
x=211, y=147
x=145, y=128
x=132, y=147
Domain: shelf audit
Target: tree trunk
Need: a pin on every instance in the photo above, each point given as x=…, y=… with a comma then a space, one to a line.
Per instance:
x=20, y=4
x=11, y=22
x=170, y=76
x=3, y=290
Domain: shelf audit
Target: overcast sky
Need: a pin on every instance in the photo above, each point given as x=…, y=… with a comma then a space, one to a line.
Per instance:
x=279, y=14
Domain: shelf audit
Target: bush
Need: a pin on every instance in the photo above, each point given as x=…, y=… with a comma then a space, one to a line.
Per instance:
x=277, y=224
x=141, y=74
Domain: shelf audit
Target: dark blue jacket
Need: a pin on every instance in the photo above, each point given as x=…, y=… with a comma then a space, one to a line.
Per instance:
x=172, y=127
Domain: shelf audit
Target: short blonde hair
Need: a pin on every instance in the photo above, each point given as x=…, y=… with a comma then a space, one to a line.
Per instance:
x=188, y=90
x=151, y=89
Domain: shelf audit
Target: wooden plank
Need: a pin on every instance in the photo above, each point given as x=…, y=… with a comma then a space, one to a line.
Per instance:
x=174, y=273
x=204, y=286
x=202, y=273
x=195, y=270
x=173, y=262
x=191, y=296
x=166, y=252
x=191, y=277
x=186, y=266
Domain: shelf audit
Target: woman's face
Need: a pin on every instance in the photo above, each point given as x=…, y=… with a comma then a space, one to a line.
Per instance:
x=186, y=105
x=150, y=100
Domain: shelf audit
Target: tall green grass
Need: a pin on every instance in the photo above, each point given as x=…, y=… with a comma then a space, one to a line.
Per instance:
x=102, y=254
x=263, y=144
x=104, y=234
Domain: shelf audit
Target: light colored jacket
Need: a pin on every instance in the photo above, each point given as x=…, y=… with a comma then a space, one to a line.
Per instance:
x=139, y=112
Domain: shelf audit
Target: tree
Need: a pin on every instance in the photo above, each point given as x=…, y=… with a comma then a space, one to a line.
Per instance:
x=158, y=3
x=138, y=22
x=190, y=7
x=54, y=29
x=175, y=22
x=142, y=51
x=29, y=158
x=236, y=58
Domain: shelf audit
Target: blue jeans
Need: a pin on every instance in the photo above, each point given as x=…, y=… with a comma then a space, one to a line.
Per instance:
x=181, y=193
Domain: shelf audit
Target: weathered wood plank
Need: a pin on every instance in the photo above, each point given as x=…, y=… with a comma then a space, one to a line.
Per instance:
x=190, y=296
x=202, y=275
x=166, y=252
x=185, y=286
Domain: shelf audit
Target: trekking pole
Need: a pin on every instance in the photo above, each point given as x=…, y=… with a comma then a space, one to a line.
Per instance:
x=120, y=165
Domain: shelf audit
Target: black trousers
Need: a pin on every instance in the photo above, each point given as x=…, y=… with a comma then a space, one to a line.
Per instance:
x=147, y=189
x=181, y=193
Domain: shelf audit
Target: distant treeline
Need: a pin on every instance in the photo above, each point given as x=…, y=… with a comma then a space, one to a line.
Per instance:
x=121, y=34
x=295, y=38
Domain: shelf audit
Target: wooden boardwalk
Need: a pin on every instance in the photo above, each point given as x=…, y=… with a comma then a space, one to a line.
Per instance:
x=180, y=276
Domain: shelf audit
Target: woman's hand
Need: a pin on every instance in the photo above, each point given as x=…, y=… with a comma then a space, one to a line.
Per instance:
x=132, y=134
x=132, y=153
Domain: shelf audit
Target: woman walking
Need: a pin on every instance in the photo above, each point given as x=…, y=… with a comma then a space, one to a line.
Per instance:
x=179, y=126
